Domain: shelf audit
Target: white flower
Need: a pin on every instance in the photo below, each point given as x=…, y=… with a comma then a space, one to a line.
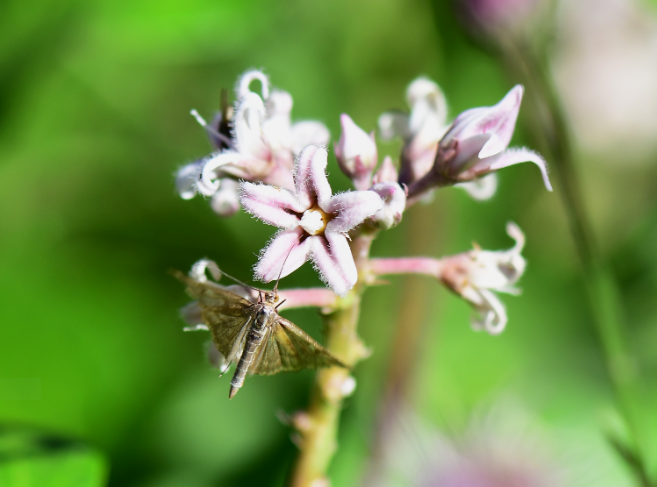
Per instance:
x=474, y=275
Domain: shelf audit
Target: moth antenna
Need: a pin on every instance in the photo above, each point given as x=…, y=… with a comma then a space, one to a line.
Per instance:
x=210, y=129
x=239, y=282
x=281, y=271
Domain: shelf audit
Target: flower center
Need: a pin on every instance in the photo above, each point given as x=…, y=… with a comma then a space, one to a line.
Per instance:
x=314, y=221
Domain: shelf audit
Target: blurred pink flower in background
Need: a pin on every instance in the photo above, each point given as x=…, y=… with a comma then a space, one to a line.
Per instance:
x=262, y=146
x=502, y=446
x=605, y=65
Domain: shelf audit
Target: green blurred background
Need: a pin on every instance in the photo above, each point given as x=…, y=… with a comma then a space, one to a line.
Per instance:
x=94, y=102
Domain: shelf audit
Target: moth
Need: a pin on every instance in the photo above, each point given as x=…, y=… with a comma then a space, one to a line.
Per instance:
x=254, y=335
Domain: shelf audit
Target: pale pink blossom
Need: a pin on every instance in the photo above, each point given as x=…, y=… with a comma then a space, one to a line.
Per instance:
x=393, y=195
x=313, y=222
x=474, y=275
x=356, y=153
x=477, y=143
x=421, y=130
x=394, y=203
x=262, y=145
x=482, y=136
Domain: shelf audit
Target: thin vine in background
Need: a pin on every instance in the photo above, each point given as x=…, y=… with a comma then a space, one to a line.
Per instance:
x=510, y=30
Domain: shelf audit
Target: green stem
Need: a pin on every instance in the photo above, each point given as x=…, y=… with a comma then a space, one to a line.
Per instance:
x=552, y=133
x=318, y=425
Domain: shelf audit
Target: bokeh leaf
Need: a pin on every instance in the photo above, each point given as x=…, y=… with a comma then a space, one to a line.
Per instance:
x=30, y=458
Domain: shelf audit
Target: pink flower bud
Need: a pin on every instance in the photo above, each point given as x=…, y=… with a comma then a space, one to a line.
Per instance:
x=394, y=203
x=386, y=173
x=356, y=152
x=498, y=18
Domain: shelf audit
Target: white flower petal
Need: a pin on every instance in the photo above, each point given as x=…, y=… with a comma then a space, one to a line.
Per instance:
x=310, y=177
x=481, y=189
x=307, y=133
x=244, y=83
x=273, y=205
x=285, y=245
x=334, y=262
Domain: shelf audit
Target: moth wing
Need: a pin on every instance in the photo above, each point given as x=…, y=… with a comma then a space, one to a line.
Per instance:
x=210, y=294
x=289, y=348
x=226, y=314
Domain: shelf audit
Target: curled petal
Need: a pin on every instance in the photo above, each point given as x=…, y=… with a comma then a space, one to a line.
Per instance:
x=334, y=262
x=491, y=312
x=394, y=124
x=308, y=133
x=200, y=267
x=273, y=205
x=225, y=201
x=516, y=234
x=352, y=208
x=481, y=189
x=310, y=177
x=215, y=167
x=249, y=117
x=284, y=245
x=511, y=157
x=249, y=77
x=187, y=179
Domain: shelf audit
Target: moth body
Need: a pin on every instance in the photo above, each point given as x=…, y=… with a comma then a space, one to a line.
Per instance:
x=264, y=315
x=254, y=335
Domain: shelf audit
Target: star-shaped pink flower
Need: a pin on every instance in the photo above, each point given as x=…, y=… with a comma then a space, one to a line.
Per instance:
x=314, y=222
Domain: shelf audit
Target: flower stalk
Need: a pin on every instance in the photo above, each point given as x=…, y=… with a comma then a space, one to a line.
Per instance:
x=318, y=425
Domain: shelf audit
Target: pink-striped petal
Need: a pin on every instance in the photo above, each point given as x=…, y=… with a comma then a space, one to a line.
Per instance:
x=515, y=156
x=334, y=262
x=284, y=245
x=273, y=205
x=351, y=208
x=499, y=121
x=310, y=176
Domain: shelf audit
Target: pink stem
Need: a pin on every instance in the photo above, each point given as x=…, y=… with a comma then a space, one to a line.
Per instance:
x=406, y=265
x=307, y=297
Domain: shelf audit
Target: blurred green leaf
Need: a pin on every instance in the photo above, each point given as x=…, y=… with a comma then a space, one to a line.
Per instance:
x=33, y=459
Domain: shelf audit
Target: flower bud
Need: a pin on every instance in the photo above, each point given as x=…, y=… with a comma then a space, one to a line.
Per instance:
x=356, y=153
x=225, y=201
x=497, y=19
x=477, y=143
x=187, y=178
x=386, y=173
x=394, y=203
x=475, y=274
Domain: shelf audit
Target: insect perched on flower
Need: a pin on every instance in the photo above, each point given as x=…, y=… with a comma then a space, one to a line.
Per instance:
x=252, y=334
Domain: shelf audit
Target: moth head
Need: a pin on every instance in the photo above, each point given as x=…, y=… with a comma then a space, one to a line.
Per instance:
x=271, y=297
